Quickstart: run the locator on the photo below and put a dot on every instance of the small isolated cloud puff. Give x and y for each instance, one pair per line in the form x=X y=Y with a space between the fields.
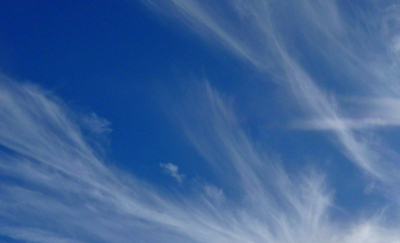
x=172 y=170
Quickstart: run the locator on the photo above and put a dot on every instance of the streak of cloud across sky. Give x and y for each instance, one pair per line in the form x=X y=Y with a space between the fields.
x=200 y=121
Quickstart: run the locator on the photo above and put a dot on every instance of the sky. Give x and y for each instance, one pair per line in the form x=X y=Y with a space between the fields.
x=200 y=121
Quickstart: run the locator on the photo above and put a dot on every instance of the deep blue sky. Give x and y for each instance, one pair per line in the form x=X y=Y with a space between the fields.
x=185 y=120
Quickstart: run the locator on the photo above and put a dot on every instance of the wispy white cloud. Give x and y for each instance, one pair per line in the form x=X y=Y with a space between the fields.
x=56 y=189
x=356 y=43
x=96 y=124
x=172 y=170
x=364 y=114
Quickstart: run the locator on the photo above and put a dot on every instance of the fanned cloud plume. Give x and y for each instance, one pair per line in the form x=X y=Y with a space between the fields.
x=56 y=187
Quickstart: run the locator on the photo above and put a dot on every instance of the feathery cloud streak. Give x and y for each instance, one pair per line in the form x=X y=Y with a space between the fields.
x=55 y=188
x=356 y=43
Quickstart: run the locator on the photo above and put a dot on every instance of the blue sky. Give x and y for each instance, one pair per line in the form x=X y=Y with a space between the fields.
x=199 y=121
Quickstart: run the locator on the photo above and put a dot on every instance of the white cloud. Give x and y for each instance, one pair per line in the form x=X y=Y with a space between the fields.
x=56 y=188
x=365 y=114
x=96 y=124
x=172 y=170
x=356 y=43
